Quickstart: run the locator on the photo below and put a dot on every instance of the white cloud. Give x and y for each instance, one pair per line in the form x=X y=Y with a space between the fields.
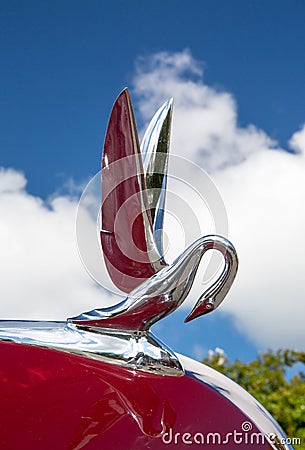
x=41 y=273
x=11 y=181
x=265 y=204
x=262 y=186
x=297 y=141
x=205 y=120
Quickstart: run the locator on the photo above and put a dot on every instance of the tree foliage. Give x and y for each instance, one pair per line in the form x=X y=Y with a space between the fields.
x=266 y=379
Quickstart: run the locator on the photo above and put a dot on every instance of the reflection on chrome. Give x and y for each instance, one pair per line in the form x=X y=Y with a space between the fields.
x=155 y=151
x=140 y=351
x=166 y=291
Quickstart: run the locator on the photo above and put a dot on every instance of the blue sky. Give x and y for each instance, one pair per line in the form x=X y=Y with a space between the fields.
x=62 y=65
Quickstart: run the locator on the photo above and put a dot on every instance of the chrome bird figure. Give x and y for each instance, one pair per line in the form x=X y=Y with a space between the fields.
x=133 y=200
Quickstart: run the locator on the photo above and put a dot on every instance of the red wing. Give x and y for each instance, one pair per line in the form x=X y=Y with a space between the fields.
x=128 y=245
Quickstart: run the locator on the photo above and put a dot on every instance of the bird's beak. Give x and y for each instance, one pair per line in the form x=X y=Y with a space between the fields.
x=203 y=306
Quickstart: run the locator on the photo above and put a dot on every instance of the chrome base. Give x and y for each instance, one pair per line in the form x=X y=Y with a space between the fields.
x=134 y=350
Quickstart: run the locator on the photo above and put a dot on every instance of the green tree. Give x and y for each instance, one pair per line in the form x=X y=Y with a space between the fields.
x=265 y=378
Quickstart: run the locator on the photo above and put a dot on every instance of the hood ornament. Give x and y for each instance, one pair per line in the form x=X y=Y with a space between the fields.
x=134 y=181
x=132 y=212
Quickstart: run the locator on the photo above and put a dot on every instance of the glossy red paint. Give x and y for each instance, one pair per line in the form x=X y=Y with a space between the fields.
x=125 y=206
x=52 y=400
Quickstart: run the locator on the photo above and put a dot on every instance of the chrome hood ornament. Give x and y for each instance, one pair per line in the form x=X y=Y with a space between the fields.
x=133 y=201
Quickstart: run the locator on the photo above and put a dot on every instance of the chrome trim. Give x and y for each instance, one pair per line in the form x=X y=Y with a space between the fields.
x=138 y=351
x=234 y=393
